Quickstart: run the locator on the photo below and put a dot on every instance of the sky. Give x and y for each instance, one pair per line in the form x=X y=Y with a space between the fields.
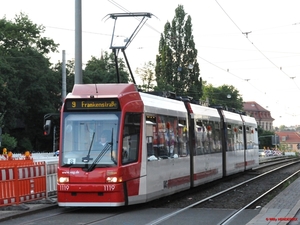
x=250 y=44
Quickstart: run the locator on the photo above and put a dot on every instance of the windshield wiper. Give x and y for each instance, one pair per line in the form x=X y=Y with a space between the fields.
x=87 y=158
x=99 y=157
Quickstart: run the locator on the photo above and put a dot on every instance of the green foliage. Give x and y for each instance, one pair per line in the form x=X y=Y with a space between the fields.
x=226 y=96
x=147 y=76
x=28 y=84
x=25 y=144
x=265 y=138
x=31 y=85
x=70 y=74
x=282 y=128
x=103 y=70
x=177 y=68
x=100 y=70
x=8 y=142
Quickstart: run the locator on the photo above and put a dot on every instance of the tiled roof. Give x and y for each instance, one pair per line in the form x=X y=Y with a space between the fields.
x=291 y=136
x=257 y=111
x=253 y=106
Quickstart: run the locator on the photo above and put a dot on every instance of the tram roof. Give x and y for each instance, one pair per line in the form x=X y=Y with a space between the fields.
x=249 y=121
x=162 y=105
x=95 y=90
x=232 y=117
x=203 y=112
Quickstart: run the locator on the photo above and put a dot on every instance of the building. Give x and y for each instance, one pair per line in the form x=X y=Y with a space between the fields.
x=289 y=140
x=262 y=116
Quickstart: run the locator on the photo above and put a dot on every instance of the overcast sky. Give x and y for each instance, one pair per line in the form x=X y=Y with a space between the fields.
x=250 y=44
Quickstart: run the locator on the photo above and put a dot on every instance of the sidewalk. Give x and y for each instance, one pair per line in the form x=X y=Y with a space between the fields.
x=283 y=209
x=8 y=212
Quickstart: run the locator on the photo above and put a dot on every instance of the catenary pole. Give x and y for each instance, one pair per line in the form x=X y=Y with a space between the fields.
x=64 y=77
x=78 y=43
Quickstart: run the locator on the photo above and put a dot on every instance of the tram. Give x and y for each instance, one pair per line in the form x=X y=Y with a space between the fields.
x=155 y=146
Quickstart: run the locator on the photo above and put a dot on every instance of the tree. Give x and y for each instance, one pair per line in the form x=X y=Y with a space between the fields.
x=103 y=70
x=146 y=73
x=70 y=74
x=282 y=128
x=8 y=142
x=177 y=68
x=29 y=86
x=265 y=138
x=226 y=96
x=100 y=70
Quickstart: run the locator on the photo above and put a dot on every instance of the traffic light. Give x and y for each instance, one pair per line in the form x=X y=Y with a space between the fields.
x=47 y=127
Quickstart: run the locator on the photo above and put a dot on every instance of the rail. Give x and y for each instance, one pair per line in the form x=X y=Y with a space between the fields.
x=174 y=213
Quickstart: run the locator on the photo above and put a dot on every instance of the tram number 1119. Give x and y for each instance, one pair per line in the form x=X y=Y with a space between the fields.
x=109 y=187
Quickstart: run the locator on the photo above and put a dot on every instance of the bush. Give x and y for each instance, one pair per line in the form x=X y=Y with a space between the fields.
x=8 y=142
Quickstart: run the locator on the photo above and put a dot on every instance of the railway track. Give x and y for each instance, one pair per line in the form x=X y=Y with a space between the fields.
x=212 y=196
x=180 y=200
x=252 y=193
x=289 y=179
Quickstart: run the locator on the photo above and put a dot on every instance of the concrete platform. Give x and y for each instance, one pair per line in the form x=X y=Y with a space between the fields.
x=283 y=209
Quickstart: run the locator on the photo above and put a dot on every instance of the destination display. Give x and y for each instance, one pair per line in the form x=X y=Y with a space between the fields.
x=92 y=104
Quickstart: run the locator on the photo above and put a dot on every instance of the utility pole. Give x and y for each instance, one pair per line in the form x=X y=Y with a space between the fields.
x=64 y=77
x=54 y=141
x=78 y=43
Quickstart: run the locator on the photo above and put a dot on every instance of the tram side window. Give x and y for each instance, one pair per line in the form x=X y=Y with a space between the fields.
x=200 y=133
x=182 y=139
x=235 y=140
x=164 y=135
x=230 y=137
x=240 y=138
x=207 y=137
x=131 y=138
x=250 y=138
x=217 y=137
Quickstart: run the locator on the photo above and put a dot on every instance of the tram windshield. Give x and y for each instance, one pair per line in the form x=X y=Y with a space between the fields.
x=90 y=140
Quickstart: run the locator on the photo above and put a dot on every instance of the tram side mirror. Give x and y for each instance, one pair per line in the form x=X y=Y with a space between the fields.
x=47 y=127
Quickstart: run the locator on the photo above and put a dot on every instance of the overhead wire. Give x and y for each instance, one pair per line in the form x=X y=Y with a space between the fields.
x=251 y=41
x=226 y=70
x=246 y=34
x=247 y=80
x=211 y=63
x=126 y=10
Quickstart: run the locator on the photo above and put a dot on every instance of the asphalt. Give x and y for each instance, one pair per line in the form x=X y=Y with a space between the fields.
x=28 y=208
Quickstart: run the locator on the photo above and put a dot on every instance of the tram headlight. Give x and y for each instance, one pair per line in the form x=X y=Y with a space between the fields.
x=63 y=180
x=113 y=179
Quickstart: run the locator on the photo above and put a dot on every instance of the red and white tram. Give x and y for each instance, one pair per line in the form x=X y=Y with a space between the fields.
x=154 y=146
